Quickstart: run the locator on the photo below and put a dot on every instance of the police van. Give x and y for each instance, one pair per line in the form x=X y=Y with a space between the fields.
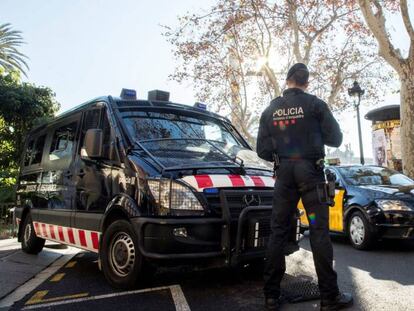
x=144 y=183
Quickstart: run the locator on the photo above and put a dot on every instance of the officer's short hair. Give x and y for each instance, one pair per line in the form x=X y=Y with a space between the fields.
x=298 y=73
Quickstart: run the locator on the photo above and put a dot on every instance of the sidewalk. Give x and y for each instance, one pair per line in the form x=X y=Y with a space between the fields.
x=17 y=267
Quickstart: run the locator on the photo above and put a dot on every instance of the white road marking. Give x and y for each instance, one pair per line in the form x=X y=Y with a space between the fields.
x=180 y=302
x=42 y=276
x=176 y=293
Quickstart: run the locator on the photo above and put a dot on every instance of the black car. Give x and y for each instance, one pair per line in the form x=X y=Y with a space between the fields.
x=371 y=203
x=143 y=183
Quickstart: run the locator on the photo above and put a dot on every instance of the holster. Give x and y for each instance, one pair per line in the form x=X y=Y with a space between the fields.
x=325 y=190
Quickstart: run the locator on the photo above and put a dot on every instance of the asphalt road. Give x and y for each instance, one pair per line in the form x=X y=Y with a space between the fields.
x=382 y=279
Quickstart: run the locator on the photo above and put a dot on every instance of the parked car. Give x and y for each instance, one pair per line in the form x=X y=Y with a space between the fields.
x=144 y=183
x=371 y=203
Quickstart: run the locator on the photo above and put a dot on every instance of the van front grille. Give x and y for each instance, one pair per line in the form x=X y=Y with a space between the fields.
x=238 y=200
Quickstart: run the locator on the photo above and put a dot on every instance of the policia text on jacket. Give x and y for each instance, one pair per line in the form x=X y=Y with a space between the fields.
x=142 y=183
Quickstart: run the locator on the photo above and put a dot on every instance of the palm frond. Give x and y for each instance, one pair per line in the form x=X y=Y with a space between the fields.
x=10 y=57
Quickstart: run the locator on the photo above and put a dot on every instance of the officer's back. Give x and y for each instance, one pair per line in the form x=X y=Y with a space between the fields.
x=295 y=128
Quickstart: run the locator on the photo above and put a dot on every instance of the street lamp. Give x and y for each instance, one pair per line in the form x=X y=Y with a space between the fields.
x=354 y=92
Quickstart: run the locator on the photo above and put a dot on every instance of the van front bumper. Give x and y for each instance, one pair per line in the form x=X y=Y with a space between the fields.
x=164 y=238
x=158 y=240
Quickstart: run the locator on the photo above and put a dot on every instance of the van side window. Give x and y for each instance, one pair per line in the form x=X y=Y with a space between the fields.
x=90 y=121
x=34 y=151
x=28 y=153
x=97 y=119
x=106 y=131
x=38 y=150
x=62 y=142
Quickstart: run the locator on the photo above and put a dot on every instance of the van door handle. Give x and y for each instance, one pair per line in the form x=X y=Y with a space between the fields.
x=68 y=174
x=81 y=173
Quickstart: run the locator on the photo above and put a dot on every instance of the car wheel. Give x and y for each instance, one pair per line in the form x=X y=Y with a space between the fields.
x=121 y=261
x=31 y=244
x=360 y=232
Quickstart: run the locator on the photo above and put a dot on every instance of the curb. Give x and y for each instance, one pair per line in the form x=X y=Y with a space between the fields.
x=21 y=291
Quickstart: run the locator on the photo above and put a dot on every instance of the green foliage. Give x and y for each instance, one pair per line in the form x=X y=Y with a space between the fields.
x=22 y=107
x=6 y=231
x=10 y=58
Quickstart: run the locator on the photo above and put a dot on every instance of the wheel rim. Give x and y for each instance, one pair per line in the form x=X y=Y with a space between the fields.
x=122 y=254
x=357 y=230
x=27 y=232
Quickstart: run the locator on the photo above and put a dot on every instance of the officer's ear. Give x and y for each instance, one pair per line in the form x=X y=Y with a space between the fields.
x=290 y=83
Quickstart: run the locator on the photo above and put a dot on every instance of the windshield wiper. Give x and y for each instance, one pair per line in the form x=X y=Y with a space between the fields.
x=240 y=163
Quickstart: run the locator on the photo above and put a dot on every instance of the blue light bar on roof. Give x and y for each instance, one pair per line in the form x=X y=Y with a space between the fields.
x=129 y=94
x=200 y=106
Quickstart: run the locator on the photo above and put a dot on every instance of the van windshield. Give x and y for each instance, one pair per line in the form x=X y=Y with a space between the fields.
x=177 y=139
x=146 y=125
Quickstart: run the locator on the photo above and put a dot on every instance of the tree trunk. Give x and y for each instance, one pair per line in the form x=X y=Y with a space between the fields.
x=407 y=122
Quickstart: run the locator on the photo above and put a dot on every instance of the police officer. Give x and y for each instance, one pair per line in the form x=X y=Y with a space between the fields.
x=295 y=128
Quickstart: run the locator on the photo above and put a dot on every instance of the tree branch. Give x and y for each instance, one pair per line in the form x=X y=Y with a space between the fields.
x=376 y=22
x=294 y=22
x=406 y=19
x=408 y=26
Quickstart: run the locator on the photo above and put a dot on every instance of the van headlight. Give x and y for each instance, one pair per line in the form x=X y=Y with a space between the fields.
x=393 y=205
x=174 y=199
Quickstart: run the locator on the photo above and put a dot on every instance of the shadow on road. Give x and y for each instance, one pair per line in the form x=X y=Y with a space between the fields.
x=388 y=260
x=56 y=246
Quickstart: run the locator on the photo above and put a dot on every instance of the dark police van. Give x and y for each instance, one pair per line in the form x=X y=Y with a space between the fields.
x=144 y=182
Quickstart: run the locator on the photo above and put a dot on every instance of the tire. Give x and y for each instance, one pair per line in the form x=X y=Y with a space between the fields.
x=31 y=244
x=122 y=264
x=360 y=232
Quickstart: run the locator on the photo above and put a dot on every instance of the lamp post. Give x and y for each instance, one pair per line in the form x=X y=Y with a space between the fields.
x=356 y=91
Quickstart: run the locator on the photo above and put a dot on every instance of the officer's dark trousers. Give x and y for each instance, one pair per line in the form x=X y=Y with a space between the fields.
x=290 y=176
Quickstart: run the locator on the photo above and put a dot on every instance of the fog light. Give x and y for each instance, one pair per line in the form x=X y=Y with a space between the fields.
x=256 y=234
x=180 y=232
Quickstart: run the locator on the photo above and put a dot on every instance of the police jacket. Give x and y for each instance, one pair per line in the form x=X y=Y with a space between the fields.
x=297 y=126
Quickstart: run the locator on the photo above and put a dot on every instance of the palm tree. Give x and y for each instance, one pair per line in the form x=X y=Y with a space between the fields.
x=10 y=58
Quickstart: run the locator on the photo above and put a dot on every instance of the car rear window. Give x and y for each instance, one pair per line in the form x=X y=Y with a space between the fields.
x=374 y=175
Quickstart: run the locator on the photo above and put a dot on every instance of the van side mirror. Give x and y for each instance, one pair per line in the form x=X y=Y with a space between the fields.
x=93 y=143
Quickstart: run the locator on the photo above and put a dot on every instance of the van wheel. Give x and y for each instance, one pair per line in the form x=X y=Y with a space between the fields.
x=31 y=244
x=121 y=260
x=360 y=232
